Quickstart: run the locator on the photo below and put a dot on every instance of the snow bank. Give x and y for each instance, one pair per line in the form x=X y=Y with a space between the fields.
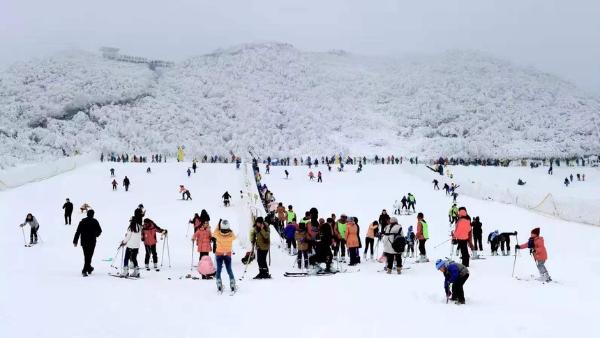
x=14 y=177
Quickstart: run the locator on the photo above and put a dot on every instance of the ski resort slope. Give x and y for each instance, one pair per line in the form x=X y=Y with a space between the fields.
x=44 y=295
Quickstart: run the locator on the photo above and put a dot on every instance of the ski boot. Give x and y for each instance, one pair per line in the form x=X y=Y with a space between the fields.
x=135 y=273
x=399 y=270
x=503 y=253
x=147 y=267
x=371 y=257
x=388 y=271
x=306 y=264
x=219 y=286
x=299 y=262
x=156 y=267
x=232 y=285
x=125 y=271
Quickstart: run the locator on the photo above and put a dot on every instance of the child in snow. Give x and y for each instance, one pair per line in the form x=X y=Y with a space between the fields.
x=410 y=242
x=132 y=241
x=538 y=250
x=206 y=267
x=290 y=233
x=455 y=274
x=225 y=238
x=404 y=205
x=149 y=231
x=202 y=237
x=396 y=207
x=34 y=226
x=302 y=241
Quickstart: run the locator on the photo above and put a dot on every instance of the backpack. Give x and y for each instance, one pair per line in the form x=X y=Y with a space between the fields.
x=399 y=241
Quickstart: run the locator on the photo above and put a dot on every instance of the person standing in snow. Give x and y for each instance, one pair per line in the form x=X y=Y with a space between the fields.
x=68 y=207
x=435 y=185
x=404 y=205
x=282 y=216
x=390 y=233
x=384 y=219
x=126 y=183
x=194 y=166
x=226 y=198
x=410 y=242
x=370 y=238
x=290 y=236
x=202 y=237
x=114 y=184
x=132 y=241
x=112 y=172
x=262 y=243
x=396 y=207
x=311 y=175
x=477 y=237
x=538 y=250
x=411 y=202
x=149 y=231
x=302 y=243
x=89 y=230
x=422 y=236
x=340 y=247
x=319 y=177
x=353 y=240
x=189 y=172
x=462 y=234
x=453 y=214
x=287 y=174
x=224 y=237
x=455 y=274
x=33 y=226
x=493 y=240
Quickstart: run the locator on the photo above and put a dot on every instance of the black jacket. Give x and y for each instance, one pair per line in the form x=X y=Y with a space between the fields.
x=89 y=229
x=476 y=228
x=68 y=206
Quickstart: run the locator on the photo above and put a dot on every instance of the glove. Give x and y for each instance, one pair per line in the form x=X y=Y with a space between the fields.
x=516 y=233
x=517 y=247
x=165 y=232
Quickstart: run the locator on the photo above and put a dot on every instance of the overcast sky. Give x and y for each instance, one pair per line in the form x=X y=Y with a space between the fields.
x=556 y=36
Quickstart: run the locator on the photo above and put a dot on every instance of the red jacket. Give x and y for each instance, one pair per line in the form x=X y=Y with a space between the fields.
x=149 y=233
x=202 y=238
x=539 y=249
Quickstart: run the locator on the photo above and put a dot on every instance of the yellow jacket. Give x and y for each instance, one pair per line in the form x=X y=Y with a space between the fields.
x=224 y=242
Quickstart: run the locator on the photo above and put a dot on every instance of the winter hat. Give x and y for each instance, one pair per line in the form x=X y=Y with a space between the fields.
x=410 y=229
x=535 y=231
x=90 y=213
x=224 y=224
x=393 y=220
x=439 y=264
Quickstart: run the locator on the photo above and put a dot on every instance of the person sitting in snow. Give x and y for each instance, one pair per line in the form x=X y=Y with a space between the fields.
x=538 y=250
x=455 y=274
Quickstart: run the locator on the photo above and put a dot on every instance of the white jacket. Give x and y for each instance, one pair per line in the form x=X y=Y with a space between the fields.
x=388 y=237
x=133 y=239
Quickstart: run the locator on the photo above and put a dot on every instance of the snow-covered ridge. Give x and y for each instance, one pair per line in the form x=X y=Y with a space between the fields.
x=285 y=102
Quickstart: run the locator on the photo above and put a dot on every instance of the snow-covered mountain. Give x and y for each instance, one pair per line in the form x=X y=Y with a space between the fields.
x=282 y=101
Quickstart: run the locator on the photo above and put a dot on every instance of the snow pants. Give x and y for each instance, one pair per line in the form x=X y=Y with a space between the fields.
x=340 y=245
x=131 y=254
x=422 y=247
x=542 y=268
x=290 y=243
x=464 y=251
x=302 y=254
x=390 y=260
x=261 y=259
x=478 y=242
x=458 y=291
x=369 y=242
x=150 y=249
x=33 y=237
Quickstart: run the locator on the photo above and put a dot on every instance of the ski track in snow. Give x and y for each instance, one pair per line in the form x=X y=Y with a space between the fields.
x=43 y=285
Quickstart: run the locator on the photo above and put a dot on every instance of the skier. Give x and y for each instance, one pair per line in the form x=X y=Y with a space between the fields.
x=455 y=274
x=462 y=234
x=139 y=213
x=126 y=183
x=189 y=172
x=323 y=243
x=282 y=216
x=68 y=206
x=202 y=238
x=384 y=219
x=411 y=202
x=287 y=174
x=422 y=236
x=504 y=239
x=291 y=215
x=226 y=198
x=114 y=184
x=453 y=213
x=34 y=227
x=391 y=232
x=454 y=196
x=447 y=189
x=410 y=242
x=319 y=177
x=149 y=231
x=224 y=237
x=340 y=247
x=538 y=250
x=404 y=200
x=494 y=242
x=477 y=237
x=571 y=176
x=370 y=238
x=566 y=181
x=353 y=240
x=185 y=193
x=194 y=166
x=302 y=243
x=435 y=185
x=290 y=236
x=262 y=243
x=396 y=207
x=132 y=241
x=112 y=172
x=89 y=229
x=148 y=170
x=311 y=175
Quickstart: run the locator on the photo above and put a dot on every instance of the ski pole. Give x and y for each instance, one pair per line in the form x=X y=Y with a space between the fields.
x=192 y=265
x=112 y=263
x=515 y=261
x=440 y=244
x=187 y=232
x=168 y=251
x=162 y=255
x=24 y=240
x=247 y=263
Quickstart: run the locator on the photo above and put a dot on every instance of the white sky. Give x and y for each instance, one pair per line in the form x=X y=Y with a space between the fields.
x=556 y=36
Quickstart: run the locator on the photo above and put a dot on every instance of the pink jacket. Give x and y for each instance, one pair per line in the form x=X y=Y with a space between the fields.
x=206 y=267
x=540 y=253
x=202 y=238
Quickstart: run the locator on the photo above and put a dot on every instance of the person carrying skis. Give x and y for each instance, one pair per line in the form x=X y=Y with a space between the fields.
x=391 y=233
x=149 y=231
x=68 y=207
x=114 y=184
x=537 y=249
x=226 y=198
x=302 y=242
x=411 y=202
x=370 y=239
x=353 y=240
x=262 y=243
x=404 y=201
x=132 y=241
x=422 y=236
x=462 y=234
x=410 y=242
x=88 y=229
x=185 y=193
x=126 y=183
x=225 y=238
x=477 y=237
x=290 y=236
x=33 y=228
x=453 y=214
x=455 y=274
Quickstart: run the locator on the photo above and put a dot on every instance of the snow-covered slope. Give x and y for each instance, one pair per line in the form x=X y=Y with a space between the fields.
x=287 y=102
x=44 y=281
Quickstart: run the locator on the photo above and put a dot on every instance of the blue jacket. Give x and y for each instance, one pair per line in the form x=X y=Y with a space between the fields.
x=453 y=272
x=290 y=231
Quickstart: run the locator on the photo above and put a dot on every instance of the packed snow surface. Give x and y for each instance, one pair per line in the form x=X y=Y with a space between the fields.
x=287 y=102
x=44 y=295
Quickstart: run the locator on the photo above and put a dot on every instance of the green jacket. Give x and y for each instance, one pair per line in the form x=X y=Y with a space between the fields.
x=453 y=211
x=291 y=215
x=262 y=238
x=342 y=229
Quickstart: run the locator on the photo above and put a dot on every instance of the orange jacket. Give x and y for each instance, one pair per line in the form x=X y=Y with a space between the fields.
x=224 y=242
x=462 y=231
x=352 y=235
x=539 y=249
